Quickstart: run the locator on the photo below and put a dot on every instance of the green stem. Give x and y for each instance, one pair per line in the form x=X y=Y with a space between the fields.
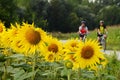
x=68 y=76
x=33 y=67
x=6 y=64
x=54 y=67
x=5 y=73
x=79 y=73
x=99 y=75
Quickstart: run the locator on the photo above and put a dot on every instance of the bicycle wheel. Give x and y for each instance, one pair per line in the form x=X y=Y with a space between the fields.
x=104 y=44
x=84 y=38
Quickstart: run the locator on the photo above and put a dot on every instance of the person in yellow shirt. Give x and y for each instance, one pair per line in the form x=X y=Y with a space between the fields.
x=101 y=30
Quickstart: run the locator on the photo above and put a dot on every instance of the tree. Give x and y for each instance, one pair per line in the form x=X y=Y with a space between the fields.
x=111 y=15
x=8 y=11
x=95 y=7
x=58 y=13
x=108 y=2
x=74 y=22
x=85 y=13
x=74 y=2
x=37 y=12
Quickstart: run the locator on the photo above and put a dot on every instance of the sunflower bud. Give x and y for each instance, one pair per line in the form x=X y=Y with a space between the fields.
x=69 y=64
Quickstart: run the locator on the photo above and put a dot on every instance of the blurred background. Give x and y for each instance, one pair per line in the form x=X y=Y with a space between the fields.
x=60 y=15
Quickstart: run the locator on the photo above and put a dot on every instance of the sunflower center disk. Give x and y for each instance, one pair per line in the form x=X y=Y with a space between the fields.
x=1 y=29
x=87 y=52
x=53 y=48
x=33 y=37
x=74 y=44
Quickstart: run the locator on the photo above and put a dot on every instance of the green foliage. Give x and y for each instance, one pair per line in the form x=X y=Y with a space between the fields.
x=85 y=13
x=23 y=4
x=60 y=15
x=14 y=69
x=73 y=21
x=2 y=57
x=37 y=12
x=113 y=17
x=8 y=11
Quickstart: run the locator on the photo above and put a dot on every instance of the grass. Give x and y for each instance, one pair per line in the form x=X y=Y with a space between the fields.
x=112 y=39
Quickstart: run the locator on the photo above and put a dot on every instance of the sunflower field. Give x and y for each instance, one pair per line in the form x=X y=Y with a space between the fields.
x=29 y=53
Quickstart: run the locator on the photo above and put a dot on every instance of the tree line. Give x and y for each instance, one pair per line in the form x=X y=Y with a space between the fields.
x=60 y=15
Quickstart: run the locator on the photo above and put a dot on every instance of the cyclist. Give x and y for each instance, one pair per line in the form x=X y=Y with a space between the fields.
x=83 y=30
x=101 y=30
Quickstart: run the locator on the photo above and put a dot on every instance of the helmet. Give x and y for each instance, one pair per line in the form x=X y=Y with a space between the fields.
x=83 y=22
x=101 y=21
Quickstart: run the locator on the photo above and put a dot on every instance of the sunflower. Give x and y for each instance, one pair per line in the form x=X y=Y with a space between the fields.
x=2 y=27
x=50 y=57
x=72 y=45
x=103 y=62
x=101 y=66
x=89 y=54
x=9 y=35
x=29 y=39
x=53 y=48
x=2 y=31
x=70 y=49
x=75 y=64
x=70 y=57
x=68 y=64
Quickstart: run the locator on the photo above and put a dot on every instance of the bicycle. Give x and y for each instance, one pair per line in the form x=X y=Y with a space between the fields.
x=83 y=37
x=103 y=42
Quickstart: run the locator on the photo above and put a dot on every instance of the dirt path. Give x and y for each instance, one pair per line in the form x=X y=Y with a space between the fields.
x=113 y=52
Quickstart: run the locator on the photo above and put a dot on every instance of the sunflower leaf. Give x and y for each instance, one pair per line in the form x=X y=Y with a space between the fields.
x=71 y=53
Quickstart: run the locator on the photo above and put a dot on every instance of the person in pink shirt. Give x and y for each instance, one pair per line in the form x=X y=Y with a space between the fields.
x=83 y=30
